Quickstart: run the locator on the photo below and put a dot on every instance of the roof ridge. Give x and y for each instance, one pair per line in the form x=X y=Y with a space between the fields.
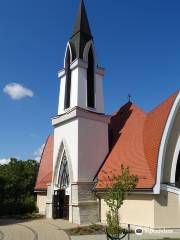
x=164 y=101
x=154 y=125
x=125 y=105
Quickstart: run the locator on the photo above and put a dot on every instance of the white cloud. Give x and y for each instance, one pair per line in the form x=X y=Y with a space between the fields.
x=37 y=154
x=17 y=91
x=4 y=161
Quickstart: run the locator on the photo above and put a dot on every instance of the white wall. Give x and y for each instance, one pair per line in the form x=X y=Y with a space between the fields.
x=68 y=134
x=92 y=147
x=62 y=76
x=99 y=97
x=79 y=86
x=84 y=136
x=86 y=145
x=78 y=95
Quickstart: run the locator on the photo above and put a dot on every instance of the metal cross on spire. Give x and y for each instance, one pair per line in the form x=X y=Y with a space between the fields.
x=129 y=97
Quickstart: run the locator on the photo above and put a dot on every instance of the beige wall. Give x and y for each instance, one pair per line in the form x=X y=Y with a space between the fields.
x=167 y=210
x=41 y=202
x=134 y=210
x=152 y=211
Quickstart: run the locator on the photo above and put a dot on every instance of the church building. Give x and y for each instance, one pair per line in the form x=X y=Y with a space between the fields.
x=88 y=146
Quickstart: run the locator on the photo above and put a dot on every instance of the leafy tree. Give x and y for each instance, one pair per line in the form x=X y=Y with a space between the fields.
x=17 y=180
x=117 y=191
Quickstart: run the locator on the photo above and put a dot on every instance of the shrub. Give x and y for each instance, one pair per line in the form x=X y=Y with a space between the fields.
x=27 y=205
x=118 y=188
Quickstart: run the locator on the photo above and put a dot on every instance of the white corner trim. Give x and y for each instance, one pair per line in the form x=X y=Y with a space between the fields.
x=163 y=144
x=79 y=63
x=67 y=46
x=76 y=113
x=171 y=189
x=61 y=73
x=174 y=162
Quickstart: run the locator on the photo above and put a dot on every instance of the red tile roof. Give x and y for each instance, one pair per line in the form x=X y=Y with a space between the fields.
x=45 y=169
x=135 y=140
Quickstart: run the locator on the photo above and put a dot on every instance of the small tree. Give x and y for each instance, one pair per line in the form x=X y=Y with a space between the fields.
x=117 y=190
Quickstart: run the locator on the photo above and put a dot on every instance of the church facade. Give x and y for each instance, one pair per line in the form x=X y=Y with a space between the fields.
x=88 y=146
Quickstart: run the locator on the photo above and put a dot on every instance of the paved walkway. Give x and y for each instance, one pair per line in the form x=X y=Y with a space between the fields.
x=55 y=230
x=132 y=237
x=34 y=230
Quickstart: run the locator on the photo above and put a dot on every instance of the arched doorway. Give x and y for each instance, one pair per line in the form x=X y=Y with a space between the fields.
x=177 y=178
x=60 y=199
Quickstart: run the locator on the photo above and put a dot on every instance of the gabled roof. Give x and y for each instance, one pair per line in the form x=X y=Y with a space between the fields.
x=46 y=164
x=135 y=138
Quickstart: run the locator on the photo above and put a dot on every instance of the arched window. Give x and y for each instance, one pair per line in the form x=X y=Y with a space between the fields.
x=90 y=80
x=68 y=79
x=177 y=179
x=63 y=179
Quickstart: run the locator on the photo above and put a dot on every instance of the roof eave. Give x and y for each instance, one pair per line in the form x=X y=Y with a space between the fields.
x=40 y=190
x=137 y=190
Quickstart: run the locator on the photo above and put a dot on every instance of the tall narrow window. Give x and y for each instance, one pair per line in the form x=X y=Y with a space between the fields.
x=90 y=80
x=68 y=80
x=63 y=179
x=177 y=180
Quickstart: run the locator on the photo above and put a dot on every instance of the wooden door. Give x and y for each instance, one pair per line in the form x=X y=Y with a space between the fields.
x=60 y=205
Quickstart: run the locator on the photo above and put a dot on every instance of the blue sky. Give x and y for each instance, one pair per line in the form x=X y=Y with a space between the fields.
x=138 y=42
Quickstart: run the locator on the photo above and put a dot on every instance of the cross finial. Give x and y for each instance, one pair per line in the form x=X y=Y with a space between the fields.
x=129 y=97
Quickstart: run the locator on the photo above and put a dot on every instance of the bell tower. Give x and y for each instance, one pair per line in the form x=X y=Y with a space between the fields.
x=81 y=127
x=81 y=78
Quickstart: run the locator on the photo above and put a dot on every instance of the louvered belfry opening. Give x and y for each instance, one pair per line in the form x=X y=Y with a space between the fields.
x=68 y=80
x=90 y=80
x=80 y=37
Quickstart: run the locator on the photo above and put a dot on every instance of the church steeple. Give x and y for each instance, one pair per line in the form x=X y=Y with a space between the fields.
x=81 y=78
x=81 y=32
x=82 y=24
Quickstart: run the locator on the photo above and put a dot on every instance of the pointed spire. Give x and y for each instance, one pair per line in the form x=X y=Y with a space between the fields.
x=82 y=24
x=81 y=33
